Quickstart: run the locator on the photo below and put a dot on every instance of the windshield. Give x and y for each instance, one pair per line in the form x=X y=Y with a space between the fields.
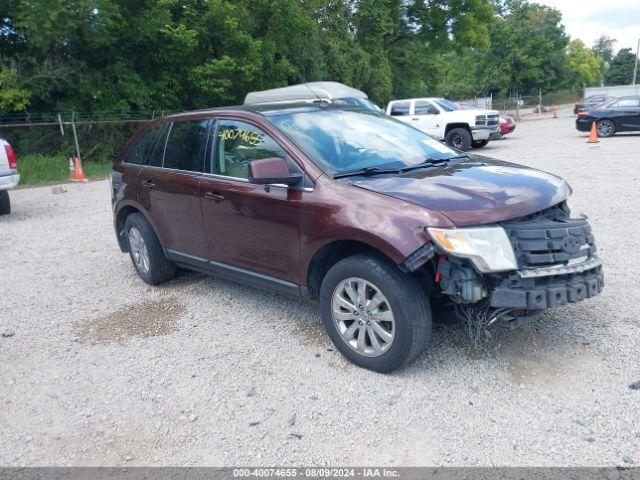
x=358 y=102
x=341 y=141
x=447 y=105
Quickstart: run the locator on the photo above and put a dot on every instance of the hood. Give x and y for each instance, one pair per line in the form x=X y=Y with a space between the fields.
x=473 y=192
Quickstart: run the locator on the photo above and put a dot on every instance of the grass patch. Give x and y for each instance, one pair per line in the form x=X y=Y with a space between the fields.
x=39 y=169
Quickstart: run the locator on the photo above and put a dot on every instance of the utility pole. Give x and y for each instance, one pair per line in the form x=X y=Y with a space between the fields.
x=539 y=102
x=635 y=66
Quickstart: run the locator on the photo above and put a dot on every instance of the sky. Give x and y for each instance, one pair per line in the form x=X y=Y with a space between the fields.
x=588 y=19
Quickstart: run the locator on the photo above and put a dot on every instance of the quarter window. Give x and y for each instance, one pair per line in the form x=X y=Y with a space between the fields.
x=150 y=145
x=186 y=145
x=154 y=150
x=238 y=144
x=399 y=109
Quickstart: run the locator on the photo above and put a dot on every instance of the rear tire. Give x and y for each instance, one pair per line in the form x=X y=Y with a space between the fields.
x=479 y=143
x=459 y=138
x=388 y=294
x=605 y=128
x=146 y=252
x=5 y=203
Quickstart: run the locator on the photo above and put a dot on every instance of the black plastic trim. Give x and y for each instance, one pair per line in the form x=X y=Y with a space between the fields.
x=237 y=274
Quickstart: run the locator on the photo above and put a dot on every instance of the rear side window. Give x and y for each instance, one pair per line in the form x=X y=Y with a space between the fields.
x=187 y=145
x=149 y=147
x=399 y=109
x=422 y=107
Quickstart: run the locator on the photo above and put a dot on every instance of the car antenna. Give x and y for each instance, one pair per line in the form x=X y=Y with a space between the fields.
x=320 y=100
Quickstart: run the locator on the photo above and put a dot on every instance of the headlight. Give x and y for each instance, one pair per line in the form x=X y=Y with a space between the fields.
x=488 y=248
x=481 y=120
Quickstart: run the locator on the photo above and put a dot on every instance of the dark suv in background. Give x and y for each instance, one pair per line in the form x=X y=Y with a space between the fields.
x=380 y=223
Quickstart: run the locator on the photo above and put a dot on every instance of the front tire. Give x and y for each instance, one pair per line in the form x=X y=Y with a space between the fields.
x=5 y=203
x=459 y=138
x=376 y=316
x=146 y=252
x=479 y=143
x=605 y=128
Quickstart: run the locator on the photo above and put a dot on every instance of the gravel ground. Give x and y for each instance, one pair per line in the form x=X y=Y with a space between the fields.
x=98 y=368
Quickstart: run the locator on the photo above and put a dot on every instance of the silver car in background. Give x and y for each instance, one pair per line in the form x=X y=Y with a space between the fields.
x=9 y=176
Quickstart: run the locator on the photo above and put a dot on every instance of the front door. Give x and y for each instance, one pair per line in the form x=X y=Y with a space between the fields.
x=169 y=188
x=426 y=117
x=628 y=113
x=252 y=228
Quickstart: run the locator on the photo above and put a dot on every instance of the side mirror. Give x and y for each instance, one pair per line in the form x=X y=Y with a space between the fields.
x=272 y=170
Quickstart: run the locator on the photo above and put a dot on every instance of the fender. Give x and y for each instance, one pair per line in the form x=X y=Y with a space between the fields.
x=395 y=228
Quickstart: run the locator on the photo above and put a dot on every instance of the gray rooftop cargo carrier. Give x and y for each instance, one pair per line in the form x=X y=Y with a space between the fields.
x=331 y=92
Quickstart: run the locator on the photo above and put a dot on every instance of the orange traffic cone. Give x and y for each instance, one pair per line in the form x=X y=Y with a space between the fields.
x=79 y=173
x=593 y=135
x=72 y=170
x=554 y=110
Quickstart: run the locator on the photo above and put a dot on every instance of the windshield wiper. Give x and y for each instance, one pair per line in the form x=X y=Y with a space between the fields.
x=432 y=162
x=367 y=171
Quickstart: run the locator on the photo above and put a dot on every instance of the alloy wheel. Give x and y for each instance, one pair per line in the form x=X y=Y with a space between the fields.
x=139 y=250
x=363 y=317
x=456 y=140
x=605 y=128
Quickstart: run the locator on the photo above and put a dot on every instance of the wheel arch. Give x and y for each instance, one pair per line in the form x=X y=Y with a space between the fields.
x=121 y=218
x=451 y=126
x=331 y=253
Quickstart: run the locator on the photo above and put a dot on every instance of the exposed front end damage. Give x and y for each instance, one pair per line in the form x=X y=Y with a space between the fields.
x=556 y=264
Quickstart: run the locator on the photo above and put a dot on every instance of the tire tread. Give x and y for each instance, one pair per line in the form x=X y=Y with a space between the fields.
x=161 y=269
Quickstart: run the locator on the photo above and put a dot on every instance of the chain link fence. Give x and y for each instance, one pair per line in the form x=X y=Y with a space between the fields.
x=44 y=142
x=97 y=139
x=518 y=105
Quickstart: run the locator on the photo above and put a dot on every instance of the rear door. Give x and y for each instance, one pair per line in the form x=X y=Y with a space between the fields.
x=169 y=186
x=400 y=110
x=627 y=114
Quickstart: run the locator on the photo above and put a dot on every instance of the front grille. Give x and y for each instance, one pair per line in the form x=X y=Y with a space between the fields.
x=545 y=240
x=492 y=119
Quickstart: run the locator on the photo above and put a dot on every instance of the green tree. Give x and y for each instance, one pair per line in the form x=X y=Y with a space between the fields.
x=527 y=50
x=620 y=71
x=603 y=47
x=584 y=65
x=12 y=96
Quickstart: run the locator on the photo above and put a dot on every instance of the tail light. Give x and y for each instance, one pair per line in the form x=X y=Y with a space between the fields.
x=11 y=157
x=583 y=115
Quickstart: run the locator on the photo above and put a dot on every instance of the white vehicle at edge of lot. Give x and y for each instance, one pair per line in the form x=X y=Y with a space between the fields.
x=9 y=176
x=446 y=120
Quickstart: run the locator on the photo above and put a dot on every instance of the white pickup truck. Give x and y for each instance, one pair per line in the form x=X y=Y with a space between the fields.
x=9 y=176
x=446 y=120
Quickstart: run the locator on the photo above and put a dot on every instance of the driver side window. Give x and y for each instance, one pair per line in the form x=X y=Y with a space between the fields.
x=423 y=107
x=238 y=144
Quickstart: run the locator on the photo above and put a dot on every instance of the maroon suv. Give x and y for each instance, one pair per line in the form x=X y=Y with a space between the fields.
x=374 y=219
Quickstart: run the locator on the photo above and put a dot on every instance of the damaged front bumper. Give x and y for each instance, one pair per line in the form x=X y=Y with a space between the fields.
x=556 y=264
x=549 y=287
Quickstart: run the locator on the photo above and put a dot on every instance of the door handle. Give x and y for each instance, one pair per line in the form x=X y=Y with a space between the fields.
x=216 y=196
x=415 y=118
x=148 y=184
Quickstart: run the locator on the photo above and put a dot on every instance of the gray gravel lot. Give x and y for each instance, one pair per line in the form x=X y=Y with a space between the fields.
x=102 y=369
